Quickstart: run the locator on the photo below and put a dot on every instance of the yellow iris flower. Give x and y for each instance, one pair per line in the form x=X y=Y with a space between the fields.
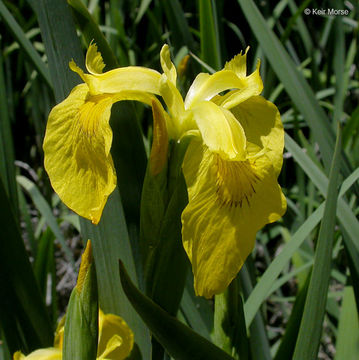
x=115 y=341
x=231 y=165
x=78 y=136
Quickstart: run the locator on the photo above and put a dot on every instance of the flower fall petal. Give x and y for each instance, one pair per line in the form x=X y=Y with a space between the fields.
x=77 y=152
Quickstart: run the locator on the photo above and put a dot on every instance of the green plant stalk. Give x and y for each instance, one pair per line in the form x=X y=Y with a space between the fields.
x=314 y=309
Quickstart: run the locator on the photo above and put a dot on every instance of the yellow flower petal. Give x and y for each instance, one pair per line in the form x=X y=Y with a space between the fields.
x=253 y=87
x=158 y=156
x=41 y=354
x=229 y=201
x=261 y=122
x=173 y=100
x=115 y=338
x=167 y=66
x=238 y=64
x=59 y=333
x=77 y=147
x=220 y=130
x=18 y=356
x=94 y=61
x=131 y=78
x=77 y=152
x=118 y=347
x=205 y=86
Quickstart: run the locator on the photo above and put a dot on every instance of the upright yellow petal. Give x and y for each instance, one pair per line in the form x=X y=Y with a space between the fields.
x=205 y=86
x=159 y=155
x=94 y=61
x=238 y=64
x=173 y=100
x=253 y=87
x=229 y=201
x=167 y=66
x=115 y=337
x=77 y=152
x=220 y=130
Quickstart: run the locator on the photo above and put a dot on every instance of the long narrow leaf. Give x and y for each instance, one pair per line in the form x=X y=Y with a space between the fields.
x=209 y=35
x=347 y=344
x=181 y=342
x=312 y=321
x=25 y=43
x=61 y=44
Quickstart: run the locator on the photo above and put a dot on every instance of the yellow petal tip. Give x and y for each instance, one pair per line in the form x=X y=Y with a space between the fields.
x=86 y=261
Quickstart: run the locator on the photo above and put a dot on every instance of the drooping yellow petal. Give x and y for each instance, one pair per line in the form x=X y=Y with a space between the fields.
x=229 y=201
x=205 y=86
x=94 y=61
x=115 y=337
x=77 y=147
x=261 y=122
x=77 y=152
x=220 y=130
x=41 y=354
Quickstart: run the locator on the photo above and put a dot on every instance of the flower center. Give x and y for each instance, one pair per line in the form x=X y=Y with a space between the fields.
x=236 y=181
